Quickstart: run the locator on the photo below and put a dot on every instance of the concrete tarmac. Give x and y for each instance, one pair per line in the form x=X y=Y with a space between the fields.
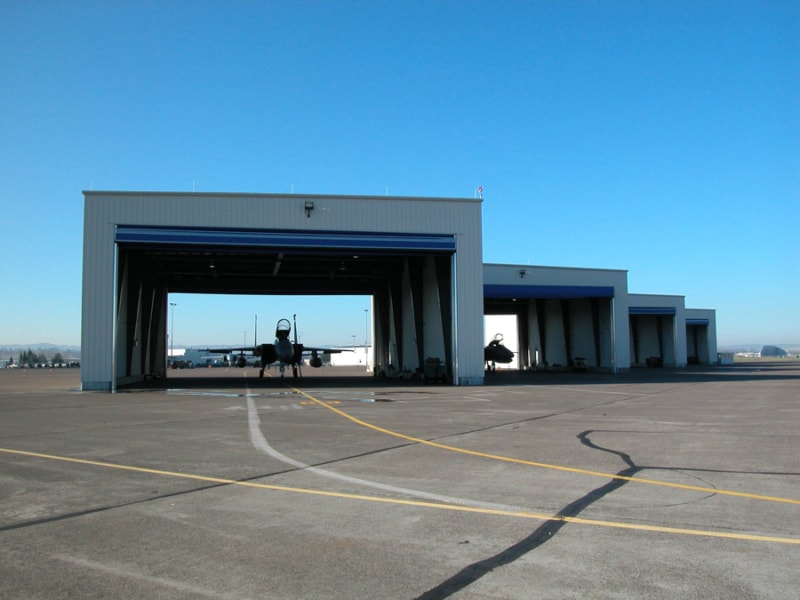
x=212 y=483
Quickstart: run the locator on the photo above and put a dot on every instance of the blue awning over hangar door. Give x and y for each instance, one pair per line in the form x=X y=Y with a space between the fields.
x=698 y=322
x=319 y=240
x=564 y=292
x=652 y=310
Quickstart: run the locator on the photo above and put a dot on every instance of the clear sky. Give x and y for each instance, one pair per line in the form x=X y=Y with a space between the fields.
x=662 y=138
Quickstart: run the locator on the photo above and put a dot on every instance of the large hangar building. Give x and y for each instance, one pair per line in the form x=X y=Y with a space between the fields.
x=419 y=259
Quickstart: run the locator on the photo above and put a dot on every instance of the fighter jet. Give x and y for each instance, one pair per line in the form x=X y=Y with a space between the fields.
x=282 y=351
x=496 y=352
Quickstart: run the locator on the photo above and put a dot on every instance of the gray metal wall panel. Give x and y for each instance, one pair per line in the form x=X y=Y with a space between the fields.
x=97 y=326
x=423 y=215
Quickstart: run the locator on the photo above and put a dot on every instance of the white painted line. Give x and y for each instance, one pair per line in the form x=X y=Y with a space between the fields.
x=260 y=443
x=141 y=577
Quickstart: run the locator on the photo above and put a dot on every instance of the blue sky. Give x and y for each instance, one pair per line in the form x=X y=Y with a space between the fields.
x=658 y=137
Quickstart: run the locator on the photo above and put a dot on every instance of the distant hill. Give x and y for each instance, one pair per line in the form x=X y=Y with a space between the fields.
x=790 y=348
x=42 y=348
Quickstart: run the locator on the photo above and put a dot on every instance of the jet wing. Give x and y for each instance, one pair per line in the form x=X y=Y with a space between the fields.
x=230 y=350
x=267 y=348
x=326 y=350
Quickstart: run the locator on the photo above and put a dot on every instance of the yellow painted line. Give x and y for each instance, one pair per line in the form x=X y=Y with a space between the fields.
x=530 y=463
x=418 y=503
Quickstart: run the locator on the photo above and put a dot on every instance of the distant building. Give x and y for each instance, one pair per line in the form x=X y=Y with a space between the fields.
x=773 y=352
x=725 y=358
x=353 y=356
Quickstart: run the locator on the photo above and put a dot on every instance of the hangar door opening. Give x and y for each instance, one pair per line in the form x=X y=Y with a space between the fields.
x=502 y=329
x=409 y=278
x=199 y=322
x=652 y=336
x=697 y=352
x=557 y=327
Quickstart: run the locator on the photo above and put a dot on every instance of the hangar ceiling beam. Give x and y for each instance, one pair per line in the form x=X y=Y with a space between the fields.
x=596 y=331
x=415 y=267
x=524 y=336
x=444 y=279
x=541 y=318
x=567 y=324
x=396 y=298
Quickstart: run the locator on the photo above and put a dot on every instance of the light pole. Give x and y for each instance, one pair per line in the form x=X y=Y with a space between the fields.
x=366 y=338
x=172 y=306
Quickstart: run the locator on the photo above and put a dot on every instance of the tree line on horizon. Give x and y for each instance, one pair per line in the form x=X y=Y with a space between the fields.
x=29 y=358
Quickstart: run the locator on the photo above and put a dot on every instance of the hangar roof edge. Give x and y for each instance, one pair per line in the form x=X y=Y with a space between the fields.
x=88 y=193
x=642 y=296
x=551 y=267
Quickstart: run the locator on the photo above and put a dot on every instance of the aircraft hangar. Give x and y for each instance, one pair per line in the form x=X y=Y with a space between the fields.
x=565 y=316
x=419 y=259
x=580 y=318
